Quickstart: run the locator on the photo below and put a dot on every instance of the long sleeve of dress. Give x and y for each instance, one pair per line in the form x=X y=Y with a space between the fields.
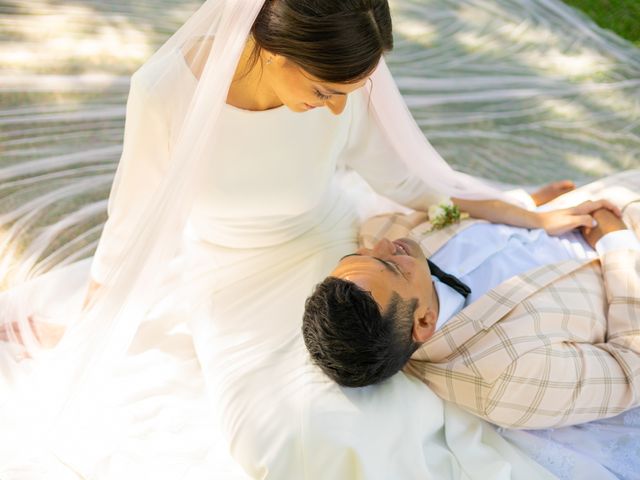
x=369 y=154
x=144 y=158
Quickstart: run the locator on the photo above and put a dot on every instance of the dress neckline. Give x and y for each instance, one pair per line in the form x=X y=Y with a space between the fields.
x=226 y=105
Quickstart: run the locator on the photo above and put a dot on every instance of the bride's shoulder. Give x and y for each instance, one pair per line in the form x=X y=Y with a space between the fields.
x=167 y=74
x=195 y=54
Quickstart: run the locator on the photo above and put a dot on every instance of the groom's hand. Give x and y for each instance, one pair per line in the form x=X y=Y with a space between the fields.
x=607 y=222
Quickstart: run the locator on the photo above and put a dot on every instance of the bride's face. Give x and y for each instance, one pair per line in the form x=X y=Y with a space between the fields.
x=300 y=91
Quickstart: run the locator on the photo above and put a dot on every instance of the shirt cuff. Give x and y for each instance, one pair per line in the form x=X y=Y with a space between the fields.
x=618 y=240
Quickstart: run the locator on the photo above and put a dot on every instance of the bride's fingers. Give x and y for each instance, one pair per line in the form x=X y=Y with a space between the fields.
x=46 y=334
x=4 y=334
x=591 y=206
x=583 y=208
x=585 y=221
x=578 y=220
x=11 y=332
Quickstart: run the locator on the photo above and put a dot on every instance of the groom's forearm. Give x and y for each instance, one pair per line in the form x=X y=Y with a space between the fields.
x=621 y=275
x=497 y=211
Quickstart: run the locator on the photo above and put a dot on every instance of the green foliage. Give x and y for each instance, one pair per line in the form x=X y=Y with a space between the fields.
x=620 y=16
x=451 y=215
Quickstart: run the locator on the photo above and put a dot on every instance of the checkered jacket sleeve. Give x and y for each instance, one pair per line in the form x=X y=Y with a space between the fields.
x=564 y=383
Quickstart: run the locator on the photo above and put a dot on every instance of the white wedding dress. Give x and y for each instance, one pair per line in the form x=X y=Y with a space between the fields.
x=268 y=223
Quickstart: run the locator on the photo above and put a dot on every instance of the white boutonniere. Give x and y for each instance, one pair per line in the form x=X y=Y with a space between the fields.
x=445 y=213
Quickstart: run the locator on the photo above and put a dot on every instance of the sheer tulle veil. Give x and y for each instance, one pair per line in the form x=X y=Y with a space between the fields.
x=69 y=374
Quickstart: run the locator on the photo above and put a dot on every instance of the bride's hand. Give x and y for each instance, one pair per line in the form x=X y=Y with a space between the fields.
x=46 y=334
x=557 y=222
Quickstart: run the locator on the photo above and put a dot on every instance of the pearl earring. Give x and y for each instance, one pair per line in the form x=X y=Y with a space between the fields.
x=269 y=60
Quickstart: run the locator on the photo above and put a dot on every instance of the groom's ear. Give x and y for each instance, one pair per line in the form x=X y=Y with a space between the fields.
x=424 y=324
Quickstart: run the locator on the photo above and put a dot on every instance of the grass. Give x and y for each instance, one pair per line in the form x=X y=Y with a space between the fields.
x=619 y=16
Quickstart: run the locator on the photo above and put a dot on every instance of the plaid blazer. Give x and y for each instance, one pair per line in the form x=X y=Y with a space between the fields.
x=557 y=345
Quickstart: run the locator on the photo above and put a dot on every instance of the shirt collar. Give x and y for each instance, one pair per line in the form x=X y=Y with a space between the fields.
x=451 y=302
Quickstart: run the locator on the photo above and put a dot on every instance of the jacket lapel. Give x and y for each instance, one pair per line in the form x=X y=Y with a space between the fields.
x=490 y=308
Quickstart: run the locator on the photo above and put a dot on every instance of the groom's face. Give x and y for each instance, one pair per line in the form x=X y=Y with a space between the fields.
x=399 y=266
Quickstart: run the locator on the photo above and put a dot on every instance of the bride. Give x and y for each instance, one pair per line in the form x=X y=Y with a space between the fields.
x=232 y=198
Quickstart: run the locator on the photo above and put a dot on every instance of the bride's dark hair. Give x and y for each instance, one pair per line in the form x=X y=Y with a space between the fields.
x=338 y=41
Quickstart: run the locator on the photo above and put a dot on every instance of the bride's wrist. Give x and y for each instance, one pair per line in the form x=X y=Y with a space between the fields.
x=534 y=220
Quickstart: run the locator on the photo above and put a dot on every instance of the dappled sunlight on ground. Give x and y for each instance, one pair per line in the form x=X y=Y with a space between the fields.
x=421 y=33
x=71 y=38
x=540 y=48
x=519 y=93
x=564 y=108
x=65 y=69
x=589 y=165
x=89 y=82
x=10 y=260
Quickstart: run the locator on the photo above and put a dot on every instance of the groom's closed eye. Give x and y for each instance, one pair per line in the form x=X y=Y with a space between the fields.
x=392 y=267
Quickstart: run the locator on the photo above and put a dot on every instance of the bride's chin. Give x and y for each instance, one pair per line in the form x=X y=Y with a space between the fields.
x=296 y=107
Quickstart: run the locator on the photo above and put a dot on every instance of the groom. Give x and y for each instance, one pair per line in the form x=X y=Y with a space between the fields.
x=535 y=331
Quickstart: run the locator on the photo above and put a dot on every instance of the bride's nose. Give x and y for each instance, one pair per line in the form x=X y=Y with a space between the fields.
x=337 y=104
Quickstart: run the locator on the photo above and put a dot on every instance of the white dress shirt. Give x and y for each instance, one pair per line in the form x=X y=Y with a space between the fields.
x=485 y=255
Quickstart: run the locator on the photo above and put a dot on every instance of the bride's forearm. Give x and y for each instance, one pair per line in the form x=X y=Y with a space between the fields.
x=497 y=211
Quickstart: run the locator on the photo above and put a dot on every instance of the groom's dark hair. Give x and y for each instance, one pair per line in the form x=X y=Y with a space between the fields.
x=351 y=339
